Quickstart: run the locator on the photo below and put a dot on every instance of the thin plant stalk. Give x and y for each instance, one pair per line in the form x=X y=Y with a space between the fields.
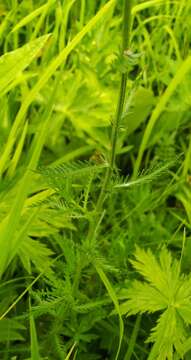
x=99 y=211
x=127 y=21
x=133 y=338
x=82 y=13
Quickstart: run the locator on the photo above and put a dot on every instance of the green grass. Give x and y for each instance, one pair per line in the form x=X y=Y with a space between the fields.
x=95 y=166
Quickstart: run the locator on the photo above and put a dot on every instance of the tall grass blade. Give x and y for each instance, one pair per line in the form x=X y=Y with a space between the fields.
x=114 y=299
x=27 y=19
x=35 y=354
x=175 y=82
x=70 y=352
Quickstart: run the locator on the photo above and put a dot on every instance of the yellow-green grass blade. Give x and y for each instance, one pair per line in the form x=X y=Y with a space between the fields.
x=18 y=152
x=42 y=17
x=147 y=4
x=33 y=15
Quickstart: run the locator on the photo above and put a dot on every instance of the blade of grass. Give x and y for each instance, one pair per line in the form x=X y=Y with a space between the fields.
x=82 y=13
x=21 y=235
x=42 y=18
x=175 y=82
x=28 y=288
x=12 y=221
x=147 y=4
x=114 y=299
x=35 y=353
x=187 y=161
x=63 y=31
x=18 y=152
x=133 y=339
x=70 y=352
x=27 y=19
x=11 y=307
x=13 y=62
x=174 y=41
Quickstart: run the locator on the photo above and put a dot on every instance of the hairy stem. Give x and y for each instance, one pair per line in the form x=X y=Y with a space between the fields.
x=121 y=100
x=115 y=127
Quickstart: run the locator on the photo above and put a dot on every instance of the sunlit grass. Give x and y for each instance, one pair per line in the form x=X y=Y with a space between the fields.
x=95 y=162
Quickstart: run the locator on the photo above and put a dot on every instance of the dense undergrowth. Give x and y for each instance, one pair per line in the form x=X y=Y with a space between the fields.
x=95 y=169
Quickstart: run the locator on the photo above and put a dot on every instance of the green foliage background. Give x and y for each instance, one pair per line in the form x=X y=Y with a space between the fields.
x=84 y=278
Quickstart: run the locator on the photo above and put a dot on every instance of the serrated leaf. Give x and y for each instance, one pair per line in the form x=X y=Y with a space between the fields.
x=56 y=176
x=10 y=330
x=165 y=290
x=143 y=298
x=32 y=251
x=159 y=274
x=168 y=335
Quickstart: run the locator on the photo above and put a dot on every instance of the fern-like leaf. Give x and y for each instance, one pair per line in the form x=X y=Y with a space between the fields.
x=55 y=175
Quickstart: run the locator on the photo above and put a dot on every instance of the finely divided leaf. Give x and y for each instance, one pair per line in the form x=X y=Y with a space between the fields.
x=10 y=330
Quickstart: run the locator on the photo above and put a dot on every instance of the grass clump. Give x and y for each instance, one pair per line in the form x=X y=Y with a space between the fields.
x=95 y=171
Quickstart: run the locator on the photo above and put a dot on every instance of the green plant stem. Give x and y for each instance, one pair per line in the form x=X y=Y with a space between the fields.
x=115 y=127
x=82 y=13
x=133 y=338
x=124 y=76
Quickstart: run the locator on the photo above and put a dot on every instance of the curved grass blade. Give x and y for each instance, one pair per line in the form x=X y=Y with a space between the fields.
x=147 y=4
x=114 y=299
x=27 y=19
